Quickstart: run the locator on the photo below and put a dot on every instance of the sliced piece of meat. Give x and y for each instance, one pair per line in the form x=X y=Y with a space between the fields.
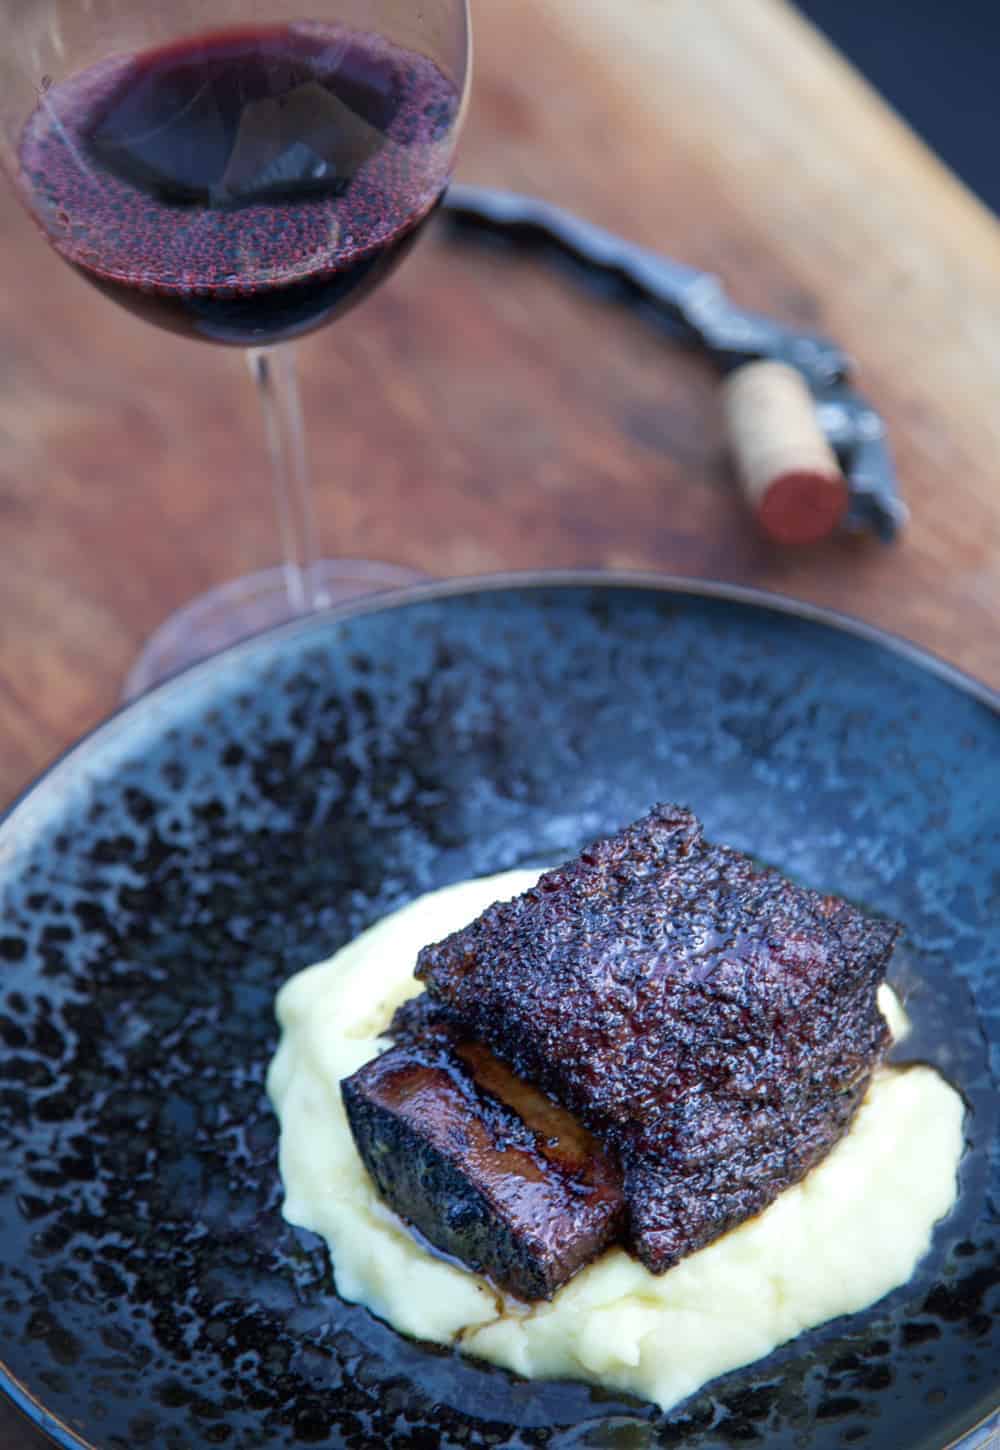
x=487 y=1168
x=687 y=1005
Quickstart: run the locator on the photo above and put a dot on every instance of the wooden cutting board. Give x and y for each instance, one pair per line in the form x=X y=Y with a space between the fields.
x=478 y=415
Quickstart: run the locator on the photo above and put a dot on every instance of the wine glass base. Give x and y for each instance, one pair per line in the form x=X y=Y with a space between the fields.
x=243 y=607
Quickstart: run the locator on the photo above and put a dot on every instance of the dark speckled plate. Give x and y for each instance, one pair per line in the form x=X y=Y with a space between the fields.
x=160 y=883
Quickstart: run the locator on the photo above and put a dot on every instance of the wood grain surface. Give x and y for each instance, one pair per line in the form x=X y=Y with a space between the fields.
x=477 y=415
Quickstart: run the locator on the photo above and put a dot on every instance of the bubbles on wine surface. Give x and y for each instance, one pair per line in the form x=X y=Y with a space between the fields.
x=227 y=166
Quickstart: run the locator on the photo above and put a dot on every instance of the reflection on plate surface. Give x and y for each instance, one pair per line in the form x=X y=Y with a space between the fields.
x=162 y=881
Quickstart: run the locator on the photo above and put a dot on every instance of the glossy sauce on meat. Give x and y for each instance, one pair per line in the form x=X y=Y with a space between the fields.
x=488 y=1169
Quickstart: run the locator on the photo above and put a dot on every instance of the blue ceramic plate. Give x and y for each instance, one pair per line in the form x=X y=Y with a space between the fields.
x=161 y=882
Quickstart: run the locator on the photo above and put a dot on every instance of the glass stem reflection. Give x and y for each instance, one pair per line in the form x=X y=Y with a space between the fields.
x=274 y=371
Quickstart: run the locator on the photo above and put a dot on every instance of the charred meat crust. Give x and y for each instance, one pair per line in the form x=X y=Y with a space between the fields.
x=707 y=1018
x=676 y=1207
x=486 y=1167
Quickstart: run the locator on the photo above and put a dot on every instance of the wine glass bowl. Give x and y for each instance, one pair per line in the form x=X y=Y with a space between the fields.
x=239 y=174
x=240 y=183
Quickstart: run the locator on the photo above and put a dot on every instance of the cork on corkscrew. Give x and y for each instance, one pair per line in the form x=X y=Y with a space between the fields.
x=785 y=382
x=789 y=473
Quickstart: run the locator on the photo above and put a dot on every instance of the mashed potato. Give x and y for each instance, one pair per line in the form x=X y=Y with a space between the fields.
x=851 y=1231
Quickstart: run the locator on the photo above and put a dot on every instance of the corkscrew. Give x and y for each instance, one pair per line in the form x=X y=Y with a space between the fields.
x=831 y=433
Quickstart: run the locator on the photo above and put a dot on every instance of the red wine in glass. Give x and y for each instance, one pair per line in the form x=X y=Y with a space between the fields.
x=242 y=182
x=244 y=186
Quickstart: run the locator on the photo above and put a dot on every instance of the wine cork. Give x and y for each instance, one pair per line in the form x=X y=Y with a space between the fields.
x=788 y=471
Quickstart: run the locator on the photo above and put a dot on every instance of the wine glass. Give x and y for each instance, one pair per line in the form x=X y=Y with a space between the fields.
x=240 y=173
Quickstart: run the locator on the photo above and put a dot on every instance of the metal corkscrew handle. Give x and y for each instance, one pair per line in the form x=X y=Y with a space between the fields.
x=693 y=308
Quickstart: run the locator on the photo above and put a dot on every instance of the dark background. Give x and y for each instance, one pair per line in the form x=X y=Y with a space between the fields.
x=938 y=63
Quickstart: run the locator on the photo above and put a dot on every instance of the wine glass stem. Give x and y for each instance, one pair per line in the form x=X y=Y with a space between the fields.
x=273 y=370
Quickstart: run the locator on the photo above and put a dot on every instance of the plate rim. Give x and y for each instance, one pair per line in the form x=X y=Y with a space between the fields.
x=978 y=1436
x=647 y=581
